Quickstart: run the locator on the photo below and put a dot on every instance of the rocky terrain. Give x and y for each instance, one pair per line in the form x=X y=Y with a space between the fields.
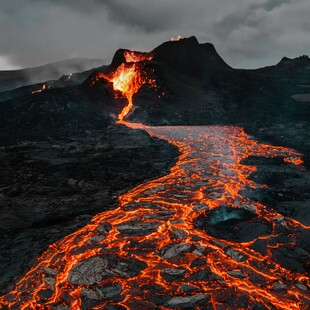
x=209 y=233
x=50 y=188
x=64 y=160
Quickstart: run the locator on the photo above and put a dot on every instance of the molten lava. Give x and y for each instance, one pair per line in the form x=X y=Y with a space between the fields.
x=145 y=252
x=128 y=78
x=132 y=56
x=153 y=228
x=39 y=90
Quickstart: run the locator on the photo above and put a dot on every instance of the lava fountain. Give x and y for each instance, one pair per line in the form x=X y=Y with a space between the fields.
x=128 y=78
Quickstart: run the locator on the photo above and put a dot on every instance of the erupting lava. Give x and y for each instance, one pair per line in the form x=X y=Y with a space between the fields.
x=128 y=78
x=148 y=254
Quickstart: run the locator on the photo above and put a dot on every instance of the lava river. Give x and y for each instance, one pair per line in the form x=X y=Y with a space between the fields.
x=148 y=253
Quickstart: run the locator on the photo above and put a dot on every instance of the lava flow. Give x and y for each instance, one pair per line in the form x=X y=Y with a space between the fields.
x=152 y=252
x=148 y=253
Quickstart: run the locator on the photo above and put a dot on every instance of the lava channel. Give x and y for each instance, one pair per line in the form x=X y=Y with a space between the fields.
x=148 y=254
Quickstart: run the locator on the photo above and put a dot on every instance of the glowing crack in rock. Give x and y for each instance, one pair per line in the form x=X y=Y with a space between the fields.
x=39 y=90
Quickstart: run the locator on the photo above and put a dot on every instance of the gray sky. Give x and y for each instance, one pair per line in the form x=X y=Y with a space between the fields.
x=246 y=33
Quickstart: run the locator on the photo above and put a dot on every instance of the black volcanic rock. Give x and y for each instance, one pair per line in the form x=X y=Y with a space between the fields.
x=119 y=57
x=233 y=224
x=53 y=115
x=294 y=62
x=188 y=57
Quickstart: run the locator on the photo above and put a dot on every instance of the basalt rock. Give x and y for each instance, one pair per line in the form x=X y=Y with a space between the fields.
x=137 y=229
x=170 y=274
x=94 y=269
x=188 y=302
x=90 y=271
x=174 y=250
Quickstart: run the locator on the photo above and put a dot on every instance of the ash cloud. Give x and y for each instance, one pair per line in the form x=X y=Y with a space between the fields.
x=247 y=33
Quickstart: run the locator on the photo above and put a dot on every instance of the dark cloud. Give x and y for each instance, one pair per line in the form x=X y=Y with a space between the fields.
x=125 y=13
x=245 y=32
x=272 y=4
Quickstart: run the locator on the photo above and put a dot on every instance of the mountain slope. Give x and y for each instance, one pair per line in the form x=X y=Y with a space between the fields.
x=194 y=86
x=17 y=78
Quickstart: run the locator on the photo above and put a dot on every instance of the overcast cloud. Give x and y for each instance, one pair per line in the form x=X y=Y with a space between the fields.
x=246 y=33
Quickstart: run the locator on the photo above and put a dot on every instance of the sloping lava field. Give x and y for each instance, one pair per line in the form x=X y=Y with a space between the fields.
x=191 y=239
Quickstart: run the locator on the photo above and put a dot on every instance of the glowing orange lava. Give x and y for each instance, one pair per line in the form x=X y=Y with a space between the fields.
x=132 y=56
x=39 y=90
x=154 y=225
x=176 y=38
x=128 y=78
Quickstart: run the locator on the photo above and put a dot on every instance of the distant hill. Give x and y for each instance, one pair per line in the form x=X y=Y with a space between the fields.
x=16 y=78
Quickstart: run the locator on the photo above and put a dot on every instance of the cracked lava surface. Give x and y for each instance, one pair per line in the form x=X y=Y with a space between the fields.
x=148 y=253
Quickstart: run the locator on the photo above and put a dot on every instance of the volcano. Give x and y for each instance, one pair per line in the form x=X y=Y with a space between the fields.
x=194 y=86
x=166 y=180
